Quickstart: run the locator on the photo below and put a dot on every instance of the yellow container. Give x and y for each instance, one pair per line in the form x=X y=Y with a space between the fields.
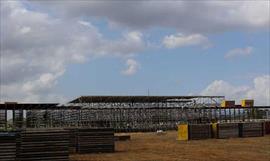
x=214 y=130
x=247 y=103
x=182 y=132
x=227 y=103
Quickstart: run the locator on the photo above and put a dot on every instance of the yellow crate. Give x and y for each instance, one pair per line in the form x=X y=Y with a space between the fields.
x=182 y=132
x=247 y=103
x=228 y=103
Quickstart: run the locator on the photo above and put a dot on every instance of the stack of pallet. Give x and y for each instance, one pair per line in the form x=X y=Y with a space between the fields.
x=199 y=131
x=7 y=146
x=222 y=130
x=122 y=137
x=251 y=129
x=44 y=145
x=225 y=130
x=3 y=119
x=72 y=139
x=92 y=140
x=267 y=127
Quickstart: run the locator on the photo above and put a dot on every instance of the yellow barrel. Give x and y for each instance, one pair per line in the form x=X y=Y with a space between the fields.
x=182 y=132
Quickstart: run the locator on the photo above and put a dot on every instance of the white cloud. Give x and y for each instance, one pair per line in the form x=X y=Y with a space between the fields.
x=36 y=49
x=181 y=40
x=125 y=47
x=260 y=91
x=85 y=23
x=239 y=52
x=132 y=67
x=184 y=16
x=25 y=30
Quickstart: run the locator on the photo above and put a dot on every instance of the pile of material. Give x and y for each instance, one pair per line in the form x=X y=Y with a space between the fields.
x=122 y=137
x=267 y=127
x=222 y=130
x=199 y=131
x=95 y=140
x=7 y=146
x=251 y=129
x=44 y=145
x=225 y=130
x=194 y=131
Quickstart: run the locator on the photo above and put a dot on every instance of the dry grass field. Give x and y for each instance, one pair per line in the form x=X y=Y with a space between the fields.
x=153 y=147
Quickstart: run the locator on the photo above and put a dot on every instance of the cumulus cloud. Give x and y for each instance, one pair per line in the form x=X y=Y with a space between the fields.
x=184 y=16
x=260 y=91
x=36 y=48
x=181 y=40
x=239 y=52
x=132 y=67
x=132 y=42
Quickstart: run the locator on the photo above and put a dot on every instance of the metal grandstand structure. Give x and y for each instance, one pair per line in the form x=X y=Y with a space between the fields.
x=147 y=101
x=127 y=113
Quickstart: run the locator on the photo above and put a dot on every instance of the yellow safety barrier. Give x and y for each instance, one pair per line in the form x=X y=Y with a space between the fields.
x=247 y=103
x=228 y=103
x=182 y=132
x=214 y=130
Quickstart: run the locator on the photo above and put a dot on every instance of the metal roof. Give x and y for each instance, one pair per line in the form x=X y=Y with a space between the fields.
x=29 y=106
x=133 y=99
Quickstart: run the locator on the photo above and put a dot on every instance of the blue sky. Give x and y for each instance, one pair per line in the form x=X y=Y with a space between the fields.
x=56 y=51
x=179 y=71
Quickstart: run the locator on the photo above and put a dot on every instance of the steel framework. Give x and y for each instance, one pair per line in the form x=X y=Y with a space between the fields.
x=129 y=113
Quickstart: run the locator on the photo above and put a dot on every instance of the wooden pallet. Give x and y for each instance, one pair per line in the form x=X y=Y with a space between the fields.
x=72 y=140
x=95 y=140
x=227 y=130
x=44 y=145
x=251 y=129
x=7 y=146
x=122 y=137
x=267 y=127
x=199 y=131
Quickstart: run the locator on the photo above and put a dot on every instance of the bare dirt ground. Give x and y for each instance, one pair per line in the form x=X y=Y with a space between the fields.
x=153 y=147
